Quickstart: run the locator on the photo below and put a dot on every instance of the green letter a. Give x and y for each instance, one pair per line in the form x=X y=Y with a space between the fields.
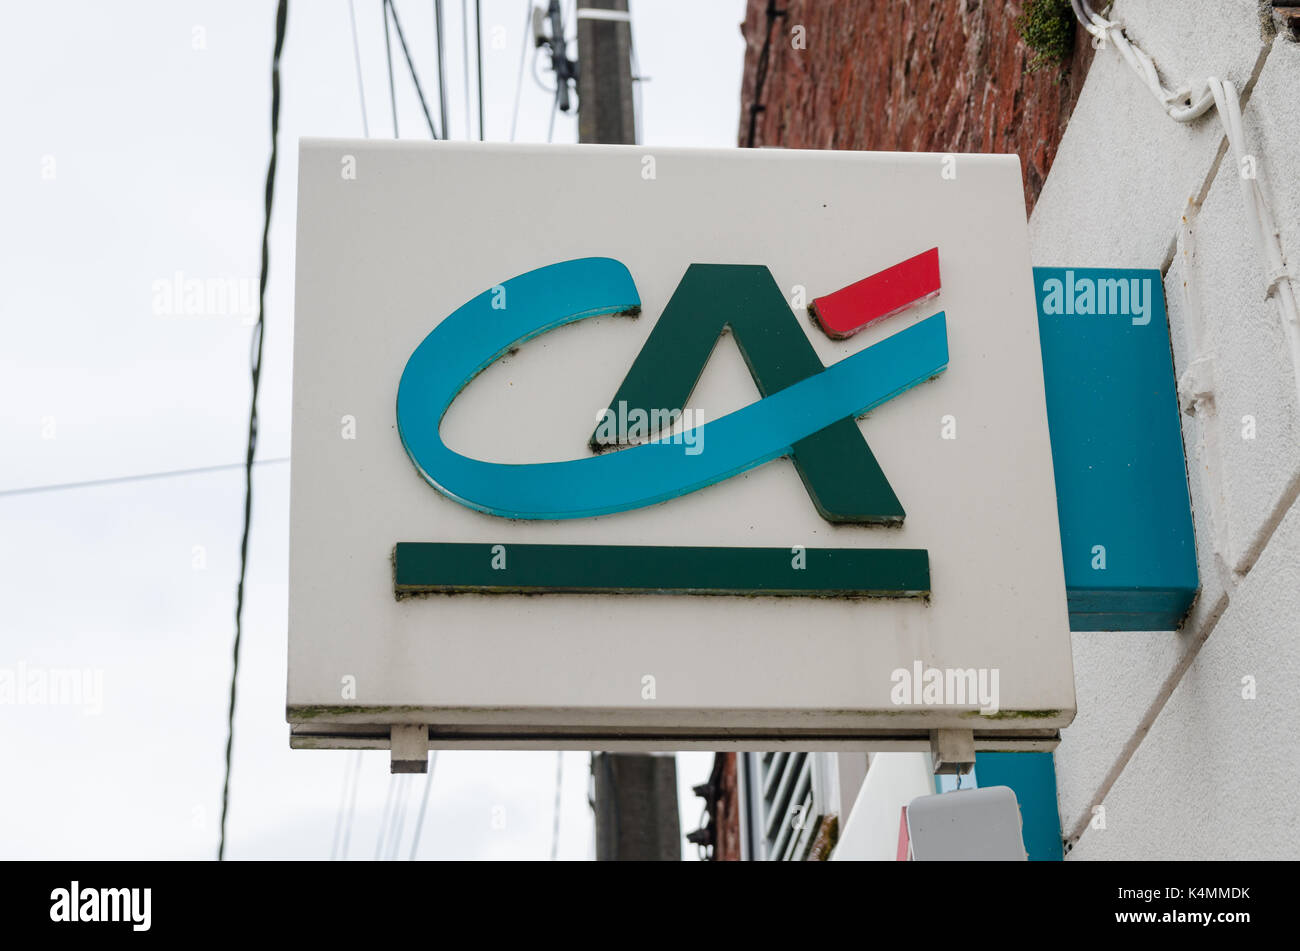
x=838 y=469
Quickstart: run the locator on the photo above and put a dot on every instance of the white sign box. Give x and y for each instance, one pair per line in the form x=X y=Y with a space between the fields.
x=758 y=452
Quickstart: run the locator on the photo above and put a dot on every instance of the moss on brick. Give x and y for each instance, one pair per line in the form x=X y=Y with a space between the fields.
x=1047 y=28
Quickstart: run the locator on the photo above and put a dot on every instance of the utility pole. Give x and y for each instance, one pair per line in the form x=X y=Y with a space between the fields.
x=636 y=807
x=635 y=795
x=605 y=111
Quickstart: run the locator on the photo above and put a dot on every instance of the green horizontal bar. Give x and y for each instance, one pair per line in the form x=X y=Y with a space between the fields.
x=452 y=567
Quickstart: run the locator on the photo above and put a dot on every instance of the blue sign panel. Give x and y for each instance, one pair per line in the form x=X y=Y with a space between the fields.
x=1117 y=448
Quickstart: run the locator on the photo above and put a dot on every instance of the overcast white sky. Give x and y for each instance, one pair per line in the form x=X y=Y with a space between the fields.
x=137 y=136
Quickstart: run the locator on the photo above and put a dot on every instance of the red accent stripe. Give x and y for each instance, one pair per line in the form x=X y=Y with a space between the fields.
x=904 y=844
x=883 y=294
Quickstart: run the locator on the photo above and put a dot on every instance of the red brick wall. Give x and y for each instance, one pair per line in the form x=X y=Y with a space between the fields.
x=904 y=75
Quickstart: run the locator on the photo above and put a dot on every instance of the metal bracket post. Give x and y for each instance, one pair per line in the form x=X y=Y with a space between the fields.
x=952 y=751
x=410 y=748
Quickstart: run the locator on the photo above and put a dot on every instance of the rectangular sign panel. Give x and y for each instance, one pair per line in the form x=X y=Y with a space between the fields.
x=609 y=447
x=1117 y=448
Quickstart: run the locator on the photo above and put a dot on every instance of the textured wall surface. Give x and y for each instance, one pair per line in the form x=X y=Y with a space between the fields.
x=1177 y=747
x=923 y=76
x=1214 y=778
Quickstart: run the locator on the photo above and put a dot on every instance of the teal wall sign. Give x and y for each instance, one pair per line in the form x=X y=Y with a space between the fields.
x=1117 y=449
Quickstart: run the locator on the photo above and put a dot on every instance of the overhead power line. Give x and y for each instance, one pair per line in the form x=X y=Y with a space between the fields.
x=478 y=50
x=424 y=805
x=442 y=77
x=523 y=58
x=388 y=49
x=138 y=477
x=351 y=776
x=559 y=787
x=464 y=55
x=410 y=65
x=399 y=815
x=384 y=818
x=356 y=54
x=255 y=368
x=352 y=809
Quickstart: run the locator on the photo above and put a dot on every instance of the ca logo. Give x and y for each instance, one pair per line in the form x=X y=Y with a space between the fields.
x=807 y=410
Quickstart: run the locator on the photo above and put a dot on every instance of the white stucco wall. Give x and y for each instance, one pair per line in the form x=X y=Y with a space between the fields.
x=1182 y=764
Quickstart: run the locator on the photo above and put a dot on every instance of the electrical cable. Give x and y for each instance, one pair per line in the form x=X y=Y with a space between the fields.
x=399 y=815
x=442 y=55
x=352 y=808
x=356 y=54
x=478 y=49
x=760 y=73
x=637 y=80
x=553 y=90
x=424 y=804
x=1187 y=102
x=700 y=853
x=464 y=55
x=383 y=818
x=557 y=61
x=1260 y=218
x=350 y=776
x=338 y=819
x=559 y=786
x=139 y=477
x=388 y=49
x=523 y=57
x=410 y=65
x=255 y=368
